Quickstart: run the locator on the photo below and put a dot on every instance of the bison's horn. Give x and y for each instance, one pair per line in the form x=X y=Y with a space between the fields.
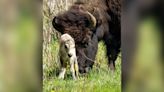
x=93 y=19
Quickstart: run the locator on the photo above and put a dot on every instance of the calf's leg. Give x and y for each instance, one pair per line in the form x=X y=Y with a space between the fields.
x=62 y=73
x=76 y=68
x=63 y=69
x=72 y=67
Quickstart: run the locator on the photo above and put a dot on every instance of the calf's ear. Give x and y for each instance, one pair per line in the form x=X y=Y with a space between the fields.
x=56 y=24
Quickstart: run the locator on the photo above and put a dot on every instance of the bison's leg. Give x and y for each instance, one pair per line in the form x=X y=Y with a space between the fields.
x=72 y=67
x=110 y=55
x=112 y=52
x=113 y=56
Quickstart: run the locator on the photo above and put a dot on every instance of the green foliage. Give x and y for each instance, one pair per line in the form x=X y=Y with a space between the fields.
x=50 y=61
x=99 y=79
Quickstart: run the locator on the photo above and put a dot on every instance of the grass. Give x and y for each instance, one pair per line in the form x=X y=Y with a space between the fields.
x=99 y=79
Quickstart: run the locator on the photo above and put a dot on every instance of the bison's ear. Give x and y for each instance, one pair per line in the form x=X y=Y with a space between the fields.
x=56 y=24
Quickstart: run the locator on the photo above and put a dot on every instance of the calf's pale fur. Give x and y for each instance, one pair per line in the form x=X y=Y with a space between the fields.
x=67 y=54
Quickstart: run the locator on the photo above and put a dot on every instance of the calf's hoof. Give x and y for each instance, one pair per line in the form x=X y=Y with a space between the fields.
x=61 y=77
x=74 y=78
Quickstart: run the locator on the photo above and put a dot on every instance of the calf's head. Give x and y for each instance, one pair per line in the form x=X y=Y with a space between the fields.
x=68 y=44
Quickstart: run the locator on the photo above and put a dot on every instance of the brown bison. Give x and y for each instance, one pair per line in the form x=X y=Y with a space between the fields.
x=89 y=22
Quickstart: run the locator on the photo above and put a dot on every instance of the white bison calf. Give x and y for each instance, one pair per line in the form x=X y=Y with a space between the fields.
x=67 y=54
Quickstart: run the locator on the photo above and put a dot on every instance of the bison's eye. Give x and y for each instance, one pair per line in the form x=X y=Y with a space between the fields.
x=86 y=45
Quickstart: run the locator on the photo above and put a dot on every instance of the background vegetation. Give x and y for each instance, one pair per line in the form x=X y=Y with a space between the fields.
x=99 y=79
x=20 y=47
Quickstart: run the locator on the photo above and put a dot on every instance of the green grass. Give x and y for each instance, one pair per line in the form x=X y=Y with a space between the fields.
x=99 y=79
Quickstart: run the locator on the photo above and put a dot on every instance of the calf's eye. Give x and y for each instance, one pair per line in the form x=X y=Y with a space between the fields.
x=65 y=46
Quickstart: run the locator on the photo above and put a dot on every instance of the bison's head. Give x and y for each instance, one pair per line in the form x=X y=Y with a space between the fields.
x=77 y=22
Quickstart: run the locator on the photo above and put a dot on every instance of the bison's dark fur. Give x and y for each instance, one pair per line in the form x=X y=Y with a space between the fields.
x=81 y=26
x=86 y=56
